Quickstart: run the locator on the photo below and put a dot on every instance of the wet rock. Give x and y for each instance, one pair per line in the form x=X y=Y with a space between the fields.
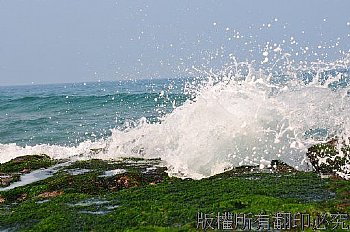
x=94 y=151
x=326 y=159
x=95 y=177
x=90 y=195
x=25 y=170
x=281 y=167
x=22 y=197
x=50 y=194
x=276 y=166
x=25 y=164
x=127 y=182
x=5 y=180
x=12 y=170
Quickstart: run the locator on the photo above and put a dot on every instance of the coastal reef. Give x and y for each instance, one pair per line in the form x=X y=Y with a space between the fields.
x=133 y=194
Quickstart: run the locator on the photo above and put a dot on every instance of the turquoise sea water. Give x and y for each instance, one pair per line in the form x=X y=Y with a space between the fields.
x=66 y=114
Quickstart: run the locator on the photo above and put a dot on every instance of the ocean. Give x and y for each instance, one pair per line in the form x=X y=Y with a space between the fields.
x=68 y=114
x=197 y=126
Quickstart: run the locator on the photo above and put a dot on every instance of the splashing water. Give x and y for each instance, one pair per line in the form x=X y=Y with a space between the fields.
x=236 y=121
x=237 y=116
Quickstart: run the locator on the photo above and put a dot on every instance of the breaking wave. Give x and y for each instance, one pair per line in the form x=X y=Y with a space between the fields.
x=237 y=115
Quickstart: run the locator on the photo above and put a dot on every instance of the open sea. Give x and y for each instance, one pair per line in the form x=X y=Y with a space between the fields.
x=68 y=114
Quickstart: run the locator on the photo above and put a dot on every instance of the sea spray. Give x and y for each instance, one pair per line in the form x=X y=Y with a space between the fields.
x=244 y=122
x=236 y=115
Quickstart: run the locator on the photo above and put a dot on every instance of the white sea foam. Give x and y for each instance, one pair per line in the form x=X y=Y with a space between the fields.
x=236 y=118
x=237 y=123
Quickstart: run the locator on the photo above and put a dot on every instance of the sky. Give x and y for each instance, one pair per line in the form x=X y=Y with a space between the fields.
x=46 y=41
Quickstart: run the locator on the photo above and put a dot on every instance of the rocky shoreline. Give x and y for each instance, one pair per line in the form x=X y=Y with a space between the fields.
x=136 y=194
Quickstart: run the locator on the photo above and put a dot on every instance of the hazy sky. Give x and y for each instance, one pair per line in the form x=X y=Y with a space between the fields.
x=84 y=40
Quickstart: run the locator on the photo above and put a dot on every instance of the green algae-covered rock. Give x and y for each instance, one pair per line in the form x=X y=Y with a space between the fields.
x=138 y=195
x=12 y=170
x=25 y=164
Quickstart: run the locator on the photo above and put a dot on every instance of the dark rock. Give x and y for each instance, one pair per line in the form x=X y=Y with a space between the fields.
x=276 y=166
x=325 y=159
x=5 y=180
x=22 y=197
x=281 y=167
x=126 y=182
x=97 y=150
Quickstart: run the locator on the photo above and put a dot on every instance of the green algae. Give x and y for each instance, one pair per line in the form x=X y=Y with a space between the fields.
x=27 y=163
x=152 y=201
x=11 y=171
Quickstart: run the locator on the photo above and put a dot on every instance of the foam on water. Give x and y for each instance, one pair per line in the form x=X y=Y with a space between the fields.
x=238 y=116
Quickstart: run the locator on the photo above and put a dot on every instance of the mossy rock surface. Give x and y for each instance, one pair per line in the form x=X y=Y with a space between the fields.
x=25 y=164
x=12 y=170
x=138 y=195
